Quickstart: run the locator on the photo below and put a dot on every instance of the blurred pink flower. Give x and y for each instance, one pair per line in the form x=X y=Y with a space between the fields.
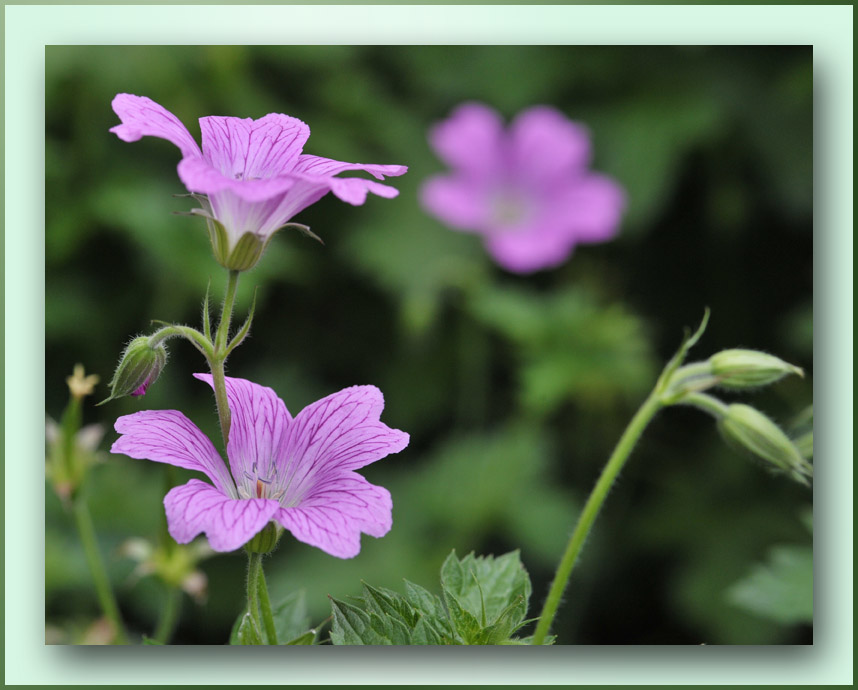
x=527 y=189
x=296 y=471
x=253 y=173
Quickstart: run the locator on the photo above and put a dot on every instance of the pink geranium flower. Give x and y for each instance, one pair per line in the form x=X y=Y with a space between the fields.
x=296 y=471
x=252 y=174
x=526 y=189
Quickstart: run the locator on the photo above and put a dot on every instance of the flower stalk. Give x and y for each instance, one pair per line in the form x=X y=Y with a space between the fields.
x=86 y=531
x=591 y=509
x=216 y=362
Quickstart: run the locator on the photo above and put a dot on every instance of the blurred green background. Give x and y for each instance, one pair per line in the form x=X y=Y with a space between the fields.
x=514 y=389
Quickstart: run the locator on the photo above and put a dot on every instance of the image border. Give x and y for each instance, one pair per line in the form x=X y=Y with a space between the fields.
x=29 y=29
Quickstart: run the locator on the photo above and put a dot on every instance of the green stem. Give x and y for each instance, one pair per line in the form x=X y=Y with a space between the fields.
x=219 y=357
x=96 y=566
x=707 y=403
x=591 y=509
x=254 y=567
x=169 y=615
x=265 y=607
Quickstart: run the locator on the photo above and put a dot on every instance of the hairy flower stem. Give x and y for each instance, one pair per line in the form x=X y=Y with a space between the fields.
x=265 y=608
x=254 y=568
x=96 y=566
x=219 y=357
x=591 y=509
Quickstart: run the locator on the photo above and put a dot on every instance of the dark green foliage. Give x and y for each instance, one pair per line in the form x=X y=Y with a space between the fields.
x=485 y=603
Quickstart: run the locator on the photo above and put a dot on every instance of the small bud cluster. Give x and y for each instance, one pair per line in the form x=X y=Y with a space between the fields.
x=742 y=426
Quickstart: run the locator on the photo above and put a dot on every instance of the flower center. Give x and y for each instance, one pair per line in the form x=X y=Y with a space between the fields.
x=258 y=486
x=510 y=209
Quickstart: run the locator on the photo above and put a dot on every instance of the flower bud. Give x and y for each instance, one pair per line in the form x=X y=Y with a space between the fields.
x=749 y=368
x=265 y=540
x=749 y=429
x=139 y=367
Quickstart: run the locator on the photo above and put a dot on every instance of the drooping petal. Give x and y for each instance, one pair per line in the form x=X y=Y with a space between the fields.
x=246 y=149
x=341 y=431
x=471 y=140
x=169 y=436
x=326 y=167
x=458 y=202
x=258 y=422
x=546 y=144
x=313 y=177
x=591 y=207
x=142 y=116
x=336 y=511
x=228 y=523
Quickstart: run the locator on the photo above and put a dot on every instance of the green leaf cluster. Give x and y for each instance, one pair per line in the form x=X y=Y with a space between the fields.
x=484 y=602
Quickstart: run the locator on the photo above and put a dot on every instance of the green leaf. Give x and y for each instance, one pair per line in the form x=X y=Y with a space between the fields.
x=351 y=626
x=307 y=638
x=487 y=596
x=233 y=633
x=291 y=619
x=781 y=589
x=248 y=632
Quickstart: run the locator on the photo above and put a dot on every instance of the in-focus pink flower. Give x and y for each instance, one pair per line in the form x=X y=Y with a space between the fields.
x=296 y=471
x=526 y=189
x=250 y=175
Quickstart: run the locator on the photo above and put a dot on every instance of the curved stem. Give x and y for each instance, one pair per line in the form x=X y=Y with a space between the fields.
x=96 y=566
x=169 y=615
x=265 y=608
x=591 y=509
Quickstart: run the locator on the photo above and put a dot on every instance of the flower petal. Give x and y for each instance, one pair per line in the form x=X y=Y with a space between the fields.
x=246 y=149
x=546 y=144
x=341 y=431
x=457 y=201
x=333 y=515
x=326 y=167
x=591 y=207
x=530 y=249
x=228 y=522
x=142 y=116
x=258 y=422
x=169 y=436
x=201 y=177
x=471 y=139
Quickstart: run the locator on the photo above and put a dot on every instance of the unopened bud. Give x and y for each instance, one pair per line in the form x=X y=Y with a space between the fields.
x=749 y=429
x=139 y=367
x=749 y=368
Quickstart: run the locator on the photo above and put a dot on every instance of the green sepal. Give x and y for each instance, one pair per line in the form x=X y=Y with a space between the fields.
x=245 y=328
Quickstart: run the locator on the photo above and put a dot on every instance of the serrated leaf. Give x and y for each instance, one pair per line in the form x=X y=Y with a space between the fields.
x=351 y=626
x=486 y=583
x=423 y=600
